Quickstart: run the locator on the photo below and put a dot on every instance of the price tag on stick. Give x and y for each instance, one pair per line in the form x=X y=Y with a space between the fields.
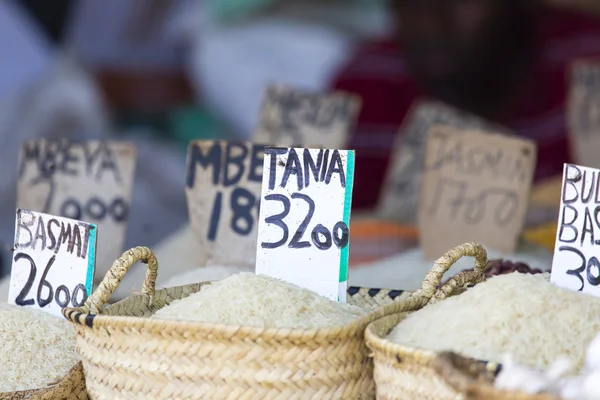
x=575 y=264
x=584 y=112
x=303 y=231
x=294 y=118
x=223 y=194
x=85 y=180
x=475 y=187
x=53 y=262
x=400 y=195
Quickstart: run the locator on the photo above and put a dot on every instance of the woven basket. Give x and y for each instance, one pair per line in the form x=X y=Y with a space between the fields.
x=71 y=387
x=125 y=355
x=474 y=380
x=405 y=373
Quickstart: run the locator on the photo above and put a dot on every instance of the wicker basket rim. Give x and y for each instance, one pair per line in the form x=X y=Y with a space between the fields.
x=377 y=342
x=389 y=349
x=179 y=327
x=73 y=373
x=85 y=317
x=28 y=392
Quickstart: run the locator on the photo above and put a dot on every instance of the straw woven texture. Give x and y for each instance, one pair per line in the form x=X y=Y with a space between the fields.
x=474 y=380
x=71 y=387
x=127 y=356
x=404 y=373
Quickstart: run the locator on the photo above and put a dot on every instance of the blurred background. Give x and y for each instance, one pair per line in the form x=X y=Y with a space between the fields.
x=163 y=72
x=159 y=73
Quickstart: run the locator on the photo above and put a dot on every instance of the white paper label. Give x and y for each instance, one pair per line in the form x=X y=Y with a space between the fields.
x=303 y=230
x=53 y=262
x=576 y=264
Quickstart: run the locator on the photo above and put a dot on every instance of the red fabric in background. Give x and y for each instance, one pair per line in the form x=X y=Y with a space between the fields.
x=377 y=73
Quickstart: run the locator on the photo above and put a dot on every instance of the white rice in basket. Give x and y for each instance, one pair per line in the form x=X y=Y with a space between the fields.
x=200 y=274
x=36 y=348
x=520 y=314
x=247 y=299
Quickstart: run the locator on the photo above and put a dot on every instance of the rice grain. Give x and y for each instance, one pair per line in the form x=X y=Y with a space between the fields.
x=36 y=348
x=520 y=314
x=247 y=299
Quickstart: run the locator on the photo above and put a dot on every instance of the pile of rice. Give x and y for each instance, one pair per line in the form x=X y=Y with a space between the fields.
x=247 y=299
x=200 y=274
x=520 y=314
x=36 y=348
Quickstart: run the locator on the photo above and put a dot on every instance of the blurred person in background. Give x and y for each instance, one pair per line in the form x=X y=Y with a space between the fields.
x=506 y=61
x=49 y=89
x=42 y=94
x=149 y=60
x=235 y=48
x=591 y=6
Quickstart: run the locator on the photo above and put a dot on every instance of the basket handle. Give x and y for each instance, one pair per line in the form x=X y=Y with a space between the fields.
x=117 y=272
x=423 y=296
x=430 y=285
x=460 y=280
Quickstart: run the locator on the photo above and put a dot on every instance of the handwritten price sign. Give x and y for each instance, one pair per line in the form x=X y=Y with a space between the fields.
x=223 y=193
x=81 y=180
x=294 y=118
x=53 y=263
x=475 y=187
x=400 y=196
x=575 y=264
x=303 y=231
x=584 y=112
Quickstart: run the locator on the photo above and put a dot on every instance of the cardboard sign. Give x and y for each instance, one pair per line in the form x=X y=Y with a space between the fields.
x=53 y=262
x=294 y=118
x=475 y=187
x=584 y=113
x=303 y=231
x=88 y=180
x=576 y=264
x=400 y=194
x=223 y=194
